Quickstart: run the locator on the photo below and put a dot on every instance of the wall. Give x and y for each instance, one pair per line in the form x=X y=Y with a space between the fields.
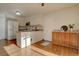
x=21 y=21
x=55 y=20
x=2 y=27
x=36 y=19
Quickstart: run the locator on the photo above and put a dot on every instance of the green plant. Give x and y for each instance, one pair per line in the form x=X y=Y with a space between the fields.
x=71 y=26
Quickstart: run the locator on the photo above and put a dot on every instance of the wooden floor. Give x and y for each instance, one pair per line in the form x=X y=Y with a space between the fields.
x=9 y=48
x=57 y=50
x=5 y=43
x=37 y=49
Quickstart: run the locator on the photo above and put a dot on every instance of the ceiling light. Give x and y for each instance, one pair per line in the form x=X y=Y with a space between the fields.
x=18 y=13
x=42 y=4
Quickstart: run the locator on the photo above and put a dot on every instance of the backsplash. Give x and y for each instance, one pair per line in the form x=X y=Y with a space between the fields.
x=31 y=28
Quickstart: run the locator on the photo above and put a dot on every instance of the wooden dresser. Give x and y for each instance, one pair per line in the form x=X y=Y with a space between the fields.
x=67 y=39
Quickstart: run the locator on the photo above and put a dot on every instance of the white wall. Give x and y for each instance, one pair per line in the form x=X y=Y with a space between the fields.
x=21 y=21
x=55 y=20
x=36 y=19
x=2 y=27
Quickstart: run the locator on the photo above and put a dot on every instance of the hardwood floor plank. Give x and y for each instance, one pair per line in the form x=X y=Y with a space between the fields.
x=58 y=50
x=37 y=49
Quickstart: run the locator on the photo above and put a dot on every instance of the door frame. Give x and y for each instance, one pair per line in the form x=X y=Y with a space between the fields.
x=8 y=19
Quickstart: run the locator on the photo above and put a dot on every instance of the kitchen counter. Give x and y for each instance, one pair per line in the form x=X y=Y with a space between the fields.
x=29 y=30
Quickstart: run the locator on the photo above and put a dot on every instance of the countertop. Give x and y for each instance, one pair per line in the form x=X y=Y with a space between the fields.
x=73 y=31
x=29 y=30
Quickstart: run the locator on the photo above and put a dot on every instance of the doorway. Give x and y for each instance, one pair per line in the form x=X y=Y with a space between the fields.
x=12 y=28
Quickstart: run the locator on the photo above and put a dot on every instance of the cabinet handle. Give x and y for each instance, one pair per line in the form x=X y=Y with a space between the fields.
x=31 y=39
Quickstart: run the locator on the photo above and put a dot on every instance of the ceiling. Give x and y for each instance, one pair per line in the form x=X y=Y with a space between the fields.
x=29 y=9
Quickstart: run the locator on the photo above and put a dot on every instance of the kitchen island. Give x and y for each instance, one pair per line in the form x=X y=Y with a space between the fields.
x=26 y=38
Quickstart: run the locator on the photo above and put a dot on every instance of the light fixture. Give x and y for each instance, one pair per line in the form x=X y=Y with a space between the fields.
x=18 y=13
x=42 y=4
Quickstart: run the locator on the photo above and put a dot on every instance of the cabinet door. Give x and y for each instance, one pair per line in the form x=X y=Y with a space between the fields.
x=36 y=36
x=57 y=38
x=18 y=35
x=73 y=39
x=65 y=39
x=23 y=42
x=32 y=37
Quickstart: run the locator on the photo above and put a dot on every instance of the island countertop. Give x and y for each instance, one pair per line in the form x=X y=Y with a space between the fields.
x=29 y=30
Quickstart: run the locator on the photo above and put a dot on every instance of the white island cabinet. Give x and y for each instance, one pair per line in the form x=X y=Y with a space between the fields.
x=25 y=38
x=36 y=36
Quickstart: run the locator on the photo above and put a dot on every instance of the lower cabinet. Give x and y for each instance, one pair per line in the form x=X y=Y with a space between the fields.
x=27 y=38
x=36 y=36
x=67 y=39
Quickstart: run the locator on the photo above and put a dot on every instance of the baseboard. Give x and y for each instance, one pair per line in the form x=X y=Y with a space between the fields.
x=3 y=39
x=10 y=39
x=46 y=40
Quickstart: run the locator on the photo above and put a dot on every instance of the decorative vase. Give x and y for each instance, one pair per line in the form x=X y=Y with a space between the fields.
x=64 y=28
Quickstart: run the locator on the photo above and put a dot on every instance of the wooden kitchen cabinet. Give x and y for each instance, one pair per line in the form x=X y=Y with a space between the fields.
x=67 y=39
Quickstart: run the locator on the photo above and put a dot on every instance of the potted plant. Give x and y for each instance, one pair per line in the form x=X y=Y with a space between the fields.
x=71 y=26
